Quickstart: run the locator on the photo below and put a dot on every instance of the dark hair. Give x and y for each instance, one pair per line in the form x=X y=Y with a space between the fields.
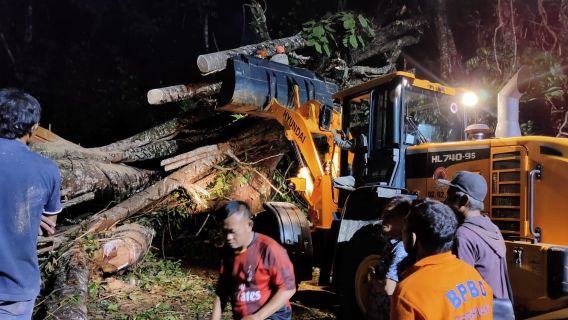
x=454 y=195
x=397 y=208
x=19 y=112
x=235 y=207
x=434 y=224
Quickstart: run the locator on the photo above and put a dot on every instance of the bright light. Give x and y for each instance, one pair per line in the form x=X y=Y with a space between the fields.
x=305 y=173
x=470 y=99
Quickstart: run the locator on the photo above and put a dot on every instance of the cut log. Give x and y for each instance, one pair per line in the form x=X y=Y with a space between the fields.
x=217 y=61
x=182 y=92
x=127 y=245
x=69 y=298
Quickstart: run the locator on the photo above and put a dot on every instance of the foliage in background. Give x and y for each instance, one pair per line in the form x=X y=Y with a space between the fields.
x=340 y=32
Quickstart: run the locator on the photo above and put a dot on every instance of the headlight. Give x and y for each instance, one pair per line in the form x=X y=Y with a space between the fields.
x=470 y=99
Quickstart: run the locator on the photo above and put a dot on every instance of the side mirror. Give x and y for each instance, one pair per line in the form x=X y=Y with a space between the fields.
x=325 y=117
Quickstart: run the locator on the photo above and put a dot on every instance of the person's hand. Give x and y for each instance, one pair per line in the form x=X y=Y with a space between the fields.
x=46 y=225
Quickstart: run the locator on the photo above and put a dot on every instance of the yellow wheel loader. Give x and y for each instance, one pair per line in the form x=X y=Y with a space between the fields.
x=416 y=132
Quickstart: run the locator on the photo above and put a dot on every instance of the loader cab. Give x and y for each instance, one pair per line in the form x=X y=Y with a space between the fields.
x=395 y=112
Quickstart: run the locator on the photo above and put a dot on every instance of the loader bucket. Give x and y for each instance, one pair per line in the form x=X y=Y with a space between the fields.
x=250 y=83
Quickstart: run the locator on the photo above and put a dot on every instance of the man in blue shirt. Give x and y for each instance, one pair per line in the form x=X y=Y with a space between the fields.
x=29 y=201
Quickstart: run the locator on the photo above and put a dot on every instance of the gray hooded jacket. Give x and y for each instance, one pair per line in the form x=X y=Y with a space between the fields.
x=479 y=243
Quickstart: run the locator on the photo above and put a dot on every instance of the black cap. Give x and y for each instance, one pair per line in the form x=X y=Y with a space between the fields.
x=473 y=184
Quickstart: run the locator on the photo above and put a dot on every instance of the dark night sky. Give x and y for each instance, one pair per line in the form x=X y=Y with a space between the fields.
x=91 y=62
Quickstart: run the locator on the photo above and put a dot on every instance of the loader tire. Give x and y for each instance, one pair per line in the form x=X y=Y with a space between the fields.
x=362 y=294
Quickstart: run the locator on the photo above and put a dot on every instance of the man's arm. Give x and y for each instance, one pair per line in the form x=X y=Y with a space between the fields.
x=53 y=205
x=390 y=285
x=217 y=309
x=274 y=304
x=343 y=144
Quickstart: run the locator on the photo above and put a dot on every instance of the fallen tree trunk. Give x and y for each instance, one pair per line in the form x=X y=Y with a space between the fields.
x=262 y=139
x=127 y=245
x=86 y=170
x=184 y=178
x=70 y=293
x=400 y=33
x=217 y=61
x=85 y=176
x=182 y=92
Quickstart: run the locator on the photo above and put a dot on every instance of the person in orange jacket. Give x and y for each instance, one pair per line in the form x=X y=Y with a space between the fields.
x=438 y=285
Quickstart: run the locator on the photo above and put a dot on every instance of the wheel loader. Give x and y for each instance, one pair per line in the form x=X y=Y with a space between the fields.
x=417 y=132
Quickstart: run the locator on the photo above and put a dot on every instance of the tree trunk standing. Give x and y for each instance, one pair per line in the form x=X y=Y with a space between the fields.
x=563 y=34
x=563 y=50
x=217 y=61
x=259 y=20
x=450 y=61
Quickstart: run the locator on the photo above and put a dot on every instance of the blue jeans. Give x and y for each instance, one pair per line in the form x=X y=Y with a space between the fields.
x=16 y=310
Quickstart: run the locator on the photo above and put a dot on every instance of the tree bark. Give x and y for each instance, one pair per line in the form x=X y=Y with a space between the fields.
x=259 y=22
x=450 y=61
x=79 y=177
x=396 y=35
x=217 y=61
x=70 y=293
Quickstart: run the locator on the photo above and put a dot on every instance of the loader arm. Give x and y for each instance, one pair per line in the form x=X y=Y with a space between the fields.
x=296 y=99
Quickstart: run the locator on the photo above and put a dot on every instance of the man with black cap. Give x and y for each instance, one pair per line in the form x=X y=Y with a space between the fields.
x=478 y=241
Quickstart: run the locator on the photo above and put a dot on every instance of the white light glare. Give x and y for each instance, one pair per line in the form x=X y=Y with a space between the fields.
x=305 y=173
x=470 y=99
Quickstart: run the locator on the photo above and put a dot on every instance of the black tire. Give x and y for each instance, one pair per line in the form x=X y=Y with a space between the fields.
x=287 y=225
x=359 y=288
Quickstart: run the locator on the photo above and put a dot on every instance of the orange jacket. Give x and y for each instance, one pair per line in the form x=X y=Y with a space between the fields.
x=442 y=287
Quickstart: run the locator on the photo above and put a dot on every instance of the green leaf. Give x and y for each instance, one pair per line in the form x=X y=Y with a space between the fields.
x=324 y=40
x=361 y=40
x=318 y=31
x=326 y=49
x=318 y=47
x=363 y=21
x=113 y=307
x=333 y=38
x=349 y=24
x=311 y=42
x=353 y=41
x=345 y=42
x=371 y=32
x=329 y=28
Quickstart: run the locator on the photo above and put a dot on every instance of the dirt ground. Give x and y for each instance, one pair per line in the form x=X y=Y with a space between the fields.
x=161 y=288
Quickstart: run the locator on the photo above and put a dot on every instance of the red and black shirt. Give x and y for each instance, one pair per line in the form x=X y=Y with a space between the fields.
x=249 y=279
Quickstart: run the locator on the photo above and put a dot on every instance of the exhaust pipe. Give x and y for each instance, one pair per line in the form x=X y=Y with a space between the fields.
x=508 y=104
